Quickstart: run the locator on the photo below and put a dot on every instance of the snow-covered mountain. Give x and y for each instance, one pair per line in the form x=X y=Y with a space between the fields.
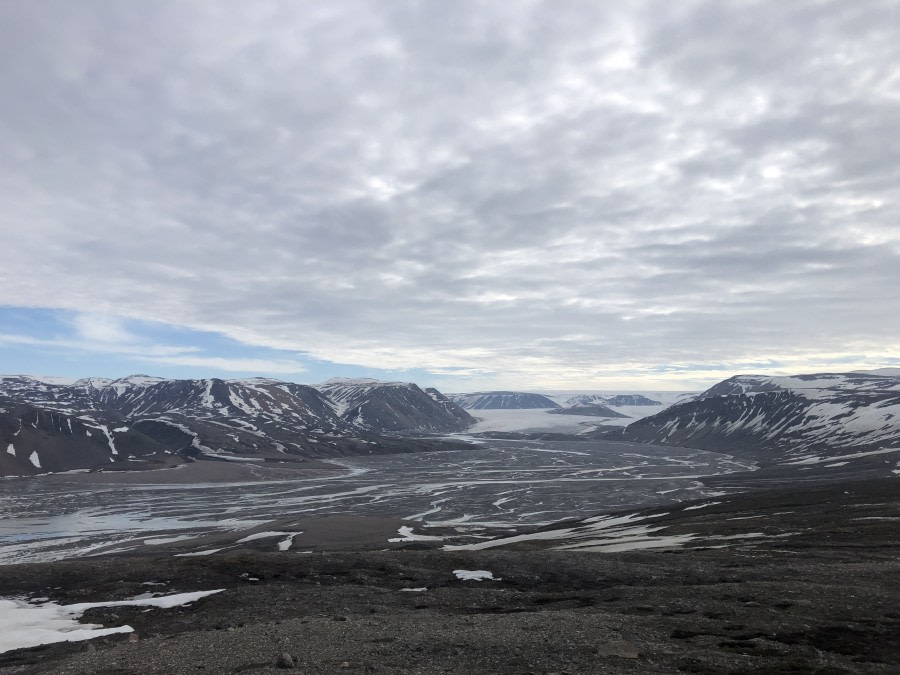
x=502 y=400
x=801 y=419
x=268 y=400
x=393 y=406
x=139 y=416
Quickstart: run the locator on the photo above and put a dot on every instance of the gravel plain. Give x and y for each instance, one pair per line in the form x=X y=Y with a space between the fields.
x=823 y=599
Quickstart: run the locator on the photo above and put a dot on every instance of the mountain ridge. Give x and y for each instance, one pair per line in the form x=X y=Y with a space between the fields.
x=503 y=400
x=806 y=418
x=267 y=419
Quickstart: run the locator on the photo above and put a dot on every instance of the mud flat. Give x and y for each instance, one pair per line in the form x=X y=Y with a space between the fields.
x=818 y=593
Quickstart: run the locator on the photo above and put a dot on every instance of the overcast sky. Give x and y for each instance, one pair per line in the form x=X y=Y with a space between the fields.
x=485 y=194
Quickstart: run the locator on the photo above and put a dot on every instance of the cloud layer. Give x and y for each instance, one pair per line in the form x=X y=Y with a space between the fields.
x=546 y=193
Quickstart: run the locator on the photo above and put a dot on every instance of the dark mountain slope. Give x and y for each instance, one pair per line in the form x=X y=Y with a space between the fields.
x=35 y=440
x=138 y=416
x=502 y=400
x=615 y=400
x=803 y=419
x=394 y=406
x=589 y=409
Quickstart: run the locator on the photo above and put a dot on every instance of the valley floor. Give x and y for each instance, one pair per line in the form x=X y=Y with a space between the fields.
x=178 y=472
x=823 y=600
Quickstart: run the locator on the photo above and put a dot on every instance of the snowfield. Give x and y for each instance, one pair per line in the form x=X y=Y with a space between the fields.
x=26 y=624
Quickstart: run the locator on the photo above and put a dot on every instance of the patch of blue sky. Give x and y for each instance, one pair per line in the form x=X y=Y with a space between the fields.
x=78 y=344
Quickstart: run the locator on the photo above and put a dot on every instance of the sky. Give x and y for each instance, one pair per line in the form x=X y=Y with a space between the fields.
x=470 y=195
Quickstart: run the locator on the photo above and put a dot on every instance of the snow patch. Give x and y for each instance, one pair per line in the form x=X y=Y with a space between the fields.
x=167 y=540
x=286 y=543
x=587 y=529
x=475 y=575
x=630 y=544
x=196 y=553
x=406 y=534
x=207 y=400
x=628 y=539
x=24 y=624
x=109 y=439
x=700 y=506
x=821 y=460
x=264 y=535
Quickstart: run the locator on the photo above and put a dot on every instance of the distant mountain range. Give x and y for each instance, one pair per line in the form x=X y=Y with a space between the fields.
x=521 y=400
x=805 y=420
x=615 y=400
x=58 y=427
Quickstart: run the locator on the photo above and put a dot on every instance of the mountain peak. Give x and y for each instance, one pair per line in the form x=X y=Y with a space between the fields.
x=138 y=380
x=492 y=400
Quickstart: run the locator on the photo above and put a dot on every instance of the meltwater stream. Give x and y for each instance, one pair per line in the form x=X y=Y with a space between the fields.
x=501 y=483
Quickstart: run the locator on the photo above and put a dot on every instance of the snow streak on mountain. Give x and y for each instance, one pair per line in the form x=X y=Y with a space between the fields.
x=393 y=406
x=54 y=427
x=502 y=400
x=802 y=419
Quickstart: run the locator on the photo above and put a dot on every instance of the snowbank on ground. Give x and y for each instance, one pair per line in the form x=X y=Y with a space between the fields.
x=24 y=624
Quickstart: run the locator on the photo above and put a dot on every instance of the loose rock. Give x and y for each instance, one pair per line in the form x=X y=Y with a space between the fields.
x=285 y=661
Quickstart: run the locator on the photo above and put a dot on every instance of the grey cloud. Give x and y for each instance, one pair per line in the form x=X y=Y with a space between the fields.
x=457 y=185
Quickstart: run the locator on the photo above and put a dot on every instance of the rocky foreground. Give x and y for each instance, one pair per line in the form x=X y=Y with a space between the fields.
x=824 y=599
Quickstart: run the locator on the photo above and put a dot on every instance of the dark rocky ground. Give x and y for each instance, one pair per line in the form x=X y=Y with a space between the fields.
x=823 y=599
